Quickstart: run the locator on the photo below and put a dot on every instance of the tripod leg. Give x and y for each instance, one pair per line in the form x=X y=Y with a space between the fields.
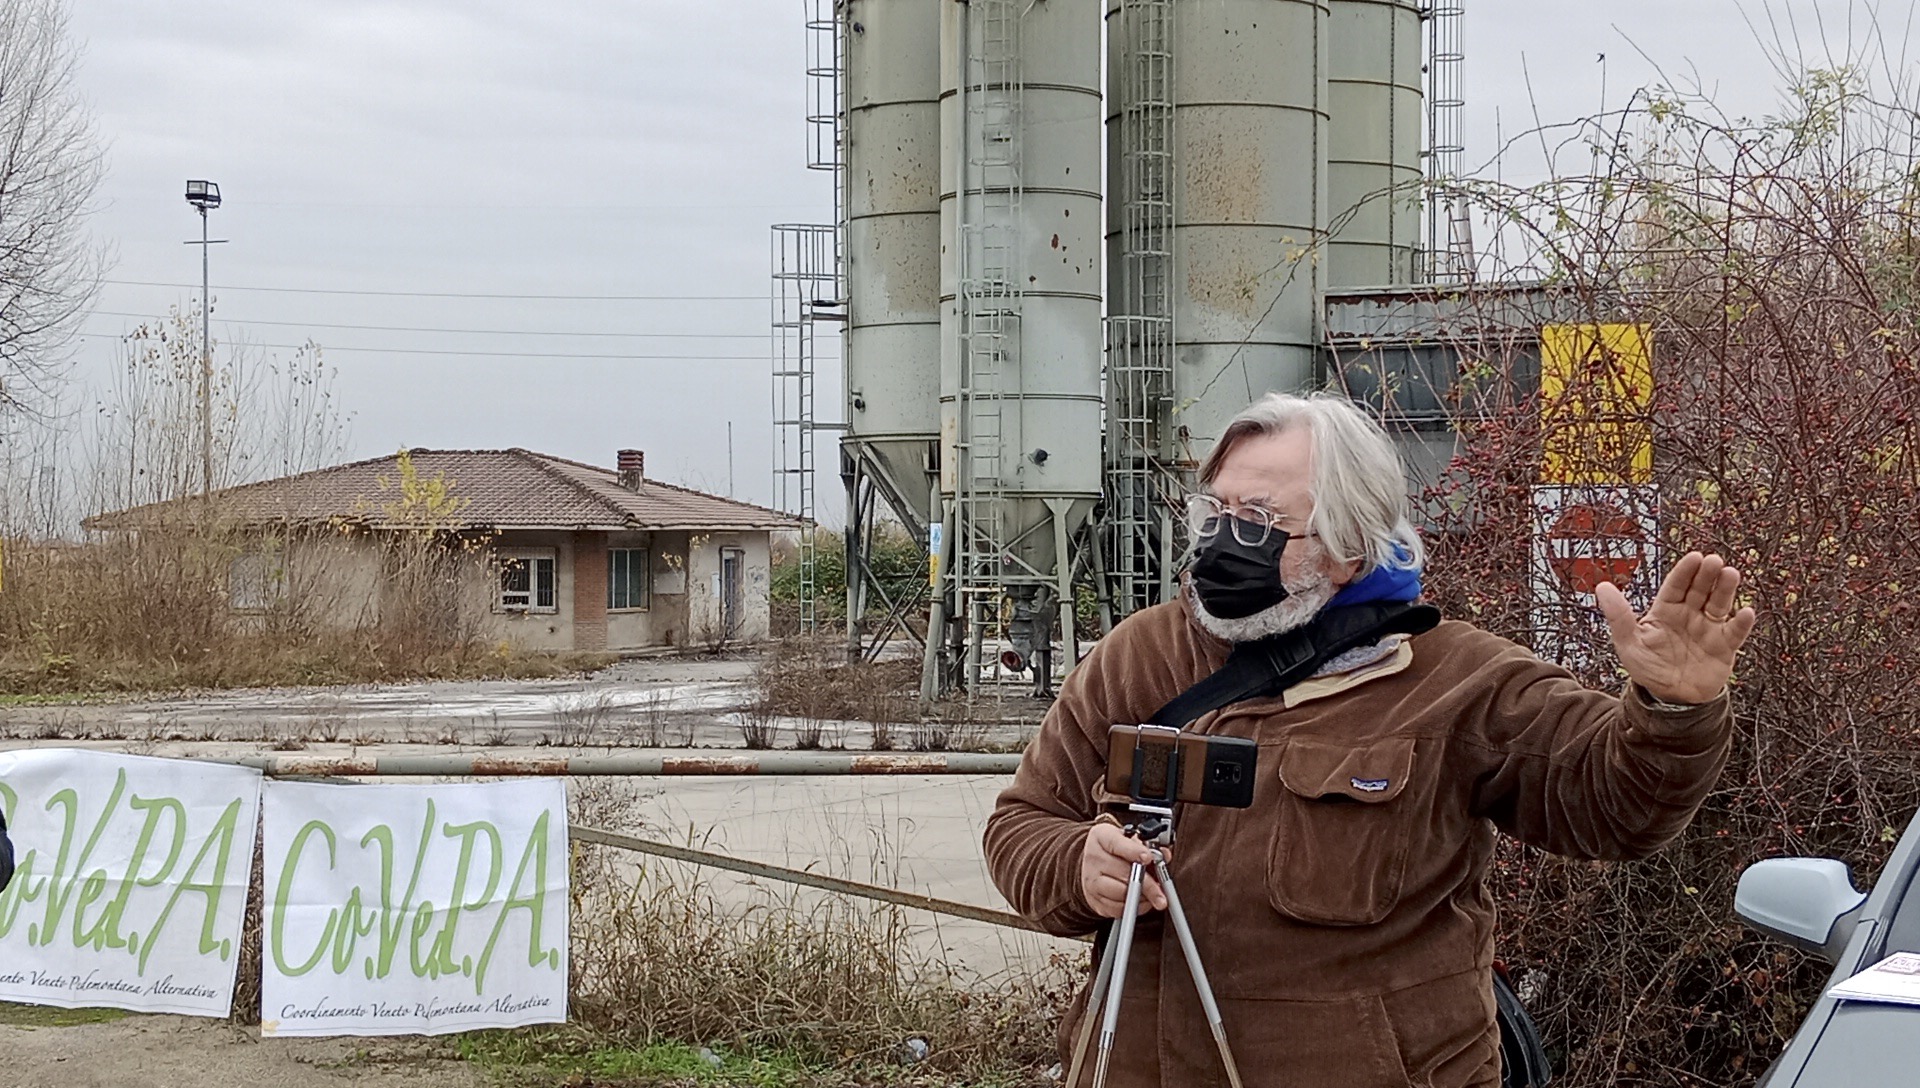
x=1195 y=968
x=1096 y=998
x=1122 y=948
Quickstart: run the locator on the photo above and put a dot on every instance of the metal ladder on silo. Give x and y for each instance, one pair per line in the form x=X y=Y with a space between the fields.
x=1446 y=103
x=990 y=297
x=1141 y=337
x=808 y=278
x=805 y=273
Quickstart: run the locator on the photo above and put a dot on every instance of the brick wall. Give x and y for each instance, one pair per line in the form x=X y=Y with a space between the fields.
x=590 y=591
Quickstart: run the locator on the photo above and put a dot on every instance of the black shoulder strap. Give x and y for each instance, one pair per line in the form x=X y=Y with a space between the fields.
x=1270 y=666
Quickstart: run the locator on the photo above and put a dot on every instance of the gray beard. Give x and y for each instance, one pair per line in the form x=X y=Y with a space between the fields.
x=1305 y=599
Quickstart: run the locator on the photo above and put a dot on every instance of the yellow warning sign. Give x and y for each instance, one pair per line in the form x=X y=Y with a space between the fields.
x=1596 y=399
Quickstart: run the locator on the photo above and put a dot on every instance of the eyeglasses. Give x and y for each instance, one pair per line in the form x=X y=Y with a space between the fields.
x=1252 y=525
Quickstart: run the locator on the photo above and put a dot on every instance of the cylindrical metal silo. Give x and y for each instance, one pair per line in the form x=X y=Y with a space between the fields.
x=1373 y=142
x=1020 y=226
x=893 y=245
x=1249 y=214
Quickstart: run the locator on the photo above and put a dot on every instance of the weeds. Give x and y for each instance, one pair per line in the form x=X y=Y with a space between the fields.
x=582 y=716
x=822 y=981
x=756 y=727
x=655 y=718
x=574 y=1056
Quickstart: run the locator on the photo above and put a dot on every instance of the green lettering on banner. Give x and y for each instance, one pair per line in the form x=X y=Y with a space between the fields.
x=430 y=932
x=534 y=905
x=105 y=931
x=60 y=887
x=393 y=920
x=222 y=839
x=441 y=954
x=277 y=938
x=111 y=866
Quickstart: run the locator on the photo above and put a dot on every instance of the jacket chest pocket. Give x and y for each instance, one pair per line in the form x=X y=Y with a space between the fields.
x=1340 y=840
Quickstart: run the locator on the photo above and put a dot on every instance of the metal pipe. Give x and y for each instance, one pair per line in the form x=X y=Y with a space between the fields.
x=798 y=876
x=675 y=763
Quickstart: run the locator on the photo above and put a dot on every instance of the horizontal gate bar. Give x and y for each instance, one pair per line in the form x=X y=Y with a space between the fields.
x=799 y=876
x=637 y=763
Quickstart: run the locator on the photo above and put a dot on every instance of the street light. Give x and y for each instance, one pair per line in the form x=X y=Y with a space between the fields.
x=205 y=195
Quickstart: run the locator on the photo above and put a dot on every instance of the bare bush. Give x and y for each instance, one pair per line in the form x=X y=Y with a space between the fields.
x=811 y=680
x=756 y=727
x=582 y=717
x=654 y=717
x=810 y=734
x=1776 y=269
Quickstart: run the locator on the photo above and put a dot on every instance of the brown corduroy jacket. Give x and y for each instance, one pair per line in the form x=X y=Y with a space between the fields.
x=1344 y=924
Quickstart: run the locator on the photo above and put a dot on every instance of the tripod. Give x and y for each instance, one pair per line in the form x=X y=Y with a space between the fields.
x=1156 y=831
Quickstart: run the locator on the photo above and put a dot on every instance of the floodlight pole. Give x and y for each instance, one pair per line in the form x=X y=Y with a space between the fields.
x=204 y=195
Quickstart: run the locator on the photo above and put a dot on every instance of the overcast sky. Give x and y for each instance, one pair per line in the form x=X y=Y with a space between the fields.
x=634 y=148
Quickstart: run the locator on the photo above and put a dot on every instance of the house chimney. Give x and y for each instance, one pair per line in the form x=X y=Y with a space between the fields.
x=633 y=469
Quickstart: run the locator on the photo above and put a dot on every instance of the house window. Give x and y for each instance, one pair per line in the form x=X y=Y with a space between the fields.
x=527 y=580
x=256 y=582
x=627 y=581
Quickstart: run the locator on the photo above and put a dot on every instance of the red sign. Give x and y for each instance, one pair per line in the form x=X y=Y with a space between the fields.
x=1592 y=543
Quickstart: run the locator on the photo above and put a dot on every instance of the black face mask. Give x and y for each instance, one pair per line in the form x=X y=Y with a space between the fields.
x=1235 y=580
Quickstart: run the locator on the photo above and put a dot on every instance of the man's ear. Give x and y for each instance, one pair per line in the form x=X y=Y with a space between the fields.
x=1345 y=573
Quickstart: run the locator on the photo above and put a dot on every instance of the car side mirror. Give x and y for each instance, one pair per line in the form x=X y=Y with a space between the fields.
x=1810 y=903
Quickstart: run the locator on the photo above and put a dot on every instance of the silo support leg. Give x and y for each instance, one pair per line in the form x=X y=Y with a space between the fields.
x=931 y=681
x=1063 y=566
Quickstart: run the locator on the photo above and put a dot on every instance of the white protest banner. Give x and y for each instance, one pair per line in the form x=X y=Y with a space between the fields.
x=394 y=910
x=132 y=880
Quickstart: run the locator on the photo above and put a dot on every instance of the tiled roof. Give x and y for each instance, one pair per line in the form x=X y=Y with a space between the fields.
x=494 y=489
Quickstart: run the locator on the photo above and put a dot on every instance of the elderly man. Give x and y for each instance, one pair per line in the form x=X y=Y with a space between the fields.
x=1344 y=919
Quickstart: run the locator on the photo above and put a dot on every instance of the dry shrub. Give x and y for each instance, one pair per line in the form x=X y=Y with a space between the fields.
x=656 y=716
x=810 y=679
x=152 y=611
x=246 y=982
x=659 y=956
x=756 y=726
x=582 y=717
x=1778 y=271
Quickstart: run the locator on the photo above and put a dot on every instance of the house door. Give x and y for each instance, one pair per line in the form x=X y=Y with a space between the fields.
x=733 y=563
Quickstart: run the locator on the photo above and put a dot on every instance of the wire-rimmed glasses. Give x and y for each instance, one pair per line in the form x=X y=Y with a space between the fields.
x=1252 y=525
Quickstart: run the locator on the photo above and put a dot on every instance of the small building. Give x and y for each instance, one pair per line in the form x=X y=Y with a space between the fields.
x=516 y=546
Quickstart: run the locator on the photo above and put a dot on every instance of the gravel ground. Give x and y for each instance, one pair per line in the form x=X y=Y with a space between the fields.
x=185 y=1052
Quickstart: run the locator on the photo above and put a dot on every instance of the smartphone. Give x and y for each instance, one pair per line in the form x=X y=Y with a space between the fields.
x=1158 y=765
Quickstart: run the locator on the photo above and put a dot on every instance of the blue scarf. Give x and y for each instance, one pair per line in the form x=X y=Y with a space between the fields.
x=1384 y=583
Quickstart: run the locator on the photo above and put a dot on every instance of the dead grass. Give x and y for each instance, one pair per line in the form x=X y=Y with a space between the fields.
x=659 y=725
x=662 y=954
x=270 y=666
x=756 y=727
x=150 y=612
x=246 y=982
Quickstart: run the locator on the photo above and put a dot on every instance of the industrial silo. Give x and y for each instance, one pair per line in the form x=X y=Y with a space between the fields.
x=1373 y=142
x=893 y=247
x=1021 y=295
x=1247 y=125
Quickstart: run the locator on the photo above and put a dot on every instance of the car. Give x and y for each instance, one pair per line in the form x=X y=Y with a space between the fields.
x=1812 y=904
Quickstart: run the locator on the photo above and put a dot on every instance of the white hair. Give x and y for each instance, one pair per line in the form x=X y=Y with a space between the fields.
x=1359 y=485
